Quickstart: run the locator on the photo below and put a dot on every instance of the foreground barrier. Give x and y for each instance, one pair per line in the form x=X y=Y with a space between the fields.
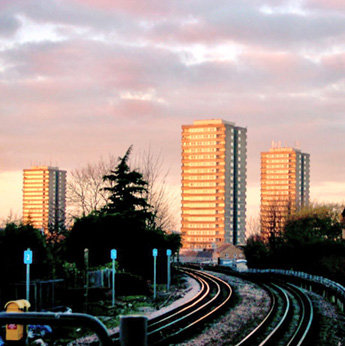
x=133 y=328
x=59 y=319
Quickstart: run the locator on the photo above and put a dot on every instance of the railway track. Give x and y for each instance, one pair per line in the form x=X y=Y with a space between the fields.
x=214 y=294
x=289 y=320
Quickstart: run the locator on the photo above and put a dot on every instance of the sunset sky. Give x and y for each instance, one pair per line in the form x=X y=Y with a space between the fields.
x=81 y=79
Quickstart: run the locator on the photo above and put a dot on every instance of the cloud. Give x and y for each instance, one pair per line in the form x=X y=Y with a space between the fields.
x=8 y=25
x=337 y=6
x=11 y=187
x=328 y=192
x=82 y=78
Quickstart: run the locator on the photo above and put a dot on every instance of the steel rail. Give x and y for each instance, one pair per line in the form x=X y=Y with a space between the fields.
x=204 y=291
x=300 y=329
x=206 y=304
x=205 y=299
x=228 y=296
x=306 y=319
x=210 y=305
x=283 y=319
x=304 y=322
x=266 y=319
x=180 y=313
x=260 y=331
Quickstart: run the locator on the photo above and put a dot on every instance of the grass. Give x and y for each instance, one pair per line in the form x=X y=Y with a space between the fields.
x=110 y=315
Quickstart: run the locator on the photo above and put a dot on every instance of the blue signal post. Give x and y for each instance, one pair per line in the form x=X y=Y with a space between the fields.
x=28 y=261
x=113 y=256
x=154 y=253
x=168 y=269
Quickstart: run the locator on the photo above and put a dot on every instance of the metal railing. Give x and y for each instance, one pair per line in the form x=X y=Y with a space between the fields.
x=59 y=319
x=314 y=278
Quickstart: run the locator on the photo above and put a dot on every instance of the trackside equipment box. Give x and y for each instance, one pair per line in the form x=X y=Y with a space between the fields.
x=15 y=332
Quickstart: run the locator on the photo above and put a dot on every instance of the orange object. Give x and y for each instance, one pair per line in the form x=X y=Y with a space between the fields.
x=15 y=332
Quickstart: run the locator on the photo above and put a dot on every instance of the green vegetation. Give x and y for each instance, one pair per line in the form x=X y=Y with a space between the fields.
x=310 y=241
x=126 y=222
x=14 y=240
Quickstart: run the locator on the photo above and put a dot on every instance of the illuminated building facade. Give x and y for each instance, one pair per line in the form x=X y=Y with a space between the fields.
x=285 y=185
x=44 y=197
x=214 y=175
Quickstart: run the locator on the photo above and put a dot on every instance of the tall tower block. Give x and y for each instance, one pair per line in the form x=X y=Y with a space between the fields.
x=285 y=185
x=214 y=178
x=44 y=197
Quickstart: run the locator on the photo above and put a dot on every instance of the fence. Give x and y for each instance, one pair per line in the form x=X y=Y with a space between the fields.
x=332 y=290
x=100 y=278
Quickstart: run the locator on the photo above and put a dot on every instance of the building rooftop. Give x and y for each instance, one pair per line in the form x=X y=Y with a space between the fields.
x=212 y=121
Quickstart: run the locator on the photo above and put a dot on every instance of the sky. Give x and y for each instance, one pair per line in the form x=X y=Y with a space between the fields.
x=81 y=79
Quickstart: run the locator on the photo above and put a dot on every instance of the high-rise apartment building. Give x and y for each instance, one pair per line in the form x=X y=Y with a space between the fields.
x=44 y=197
x=285 y=184
x=214 y=175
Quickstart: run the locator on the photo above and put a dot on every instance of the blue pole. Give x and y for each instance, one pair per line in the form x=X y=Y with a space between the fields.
x=113 y=284
x=28 y=261
x=168 y=269
x=28 y=282
x=113 y=256
x=154 y=277
x=154 y=253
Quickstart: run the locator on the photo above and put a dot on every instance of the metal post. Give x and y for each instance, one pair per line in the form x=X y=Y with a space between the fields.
x=28 y=282
x=86 y=293
x=113 y=255
x=28 y=261
x=113 y=284
x=168 y=269
x=154 y=277
x=155 y=253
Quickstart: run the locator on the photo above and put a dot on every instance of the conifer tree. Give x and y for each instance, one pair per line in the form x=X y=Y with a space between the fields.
x=127 y=192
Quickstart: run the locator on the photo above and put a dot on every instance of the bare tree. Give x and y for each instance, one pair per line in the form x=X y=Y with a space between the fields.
x=274 y=216
x=159 y=196
x=253 y=227
x=85 y=192
x=84 y=187
x=11 y=218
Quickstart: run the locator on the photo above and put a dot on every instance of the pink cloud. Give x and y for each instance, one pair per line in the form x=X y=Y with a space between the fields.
x=132 y=109
x=337 y=5
x=154 y=8
x=335 y=62
x=273 y=61
x=120 y=77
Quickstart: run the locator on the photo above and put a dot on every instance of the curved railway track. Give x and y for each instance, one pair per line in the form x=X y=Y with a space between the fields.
x=214 y=294
x=289 y=320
